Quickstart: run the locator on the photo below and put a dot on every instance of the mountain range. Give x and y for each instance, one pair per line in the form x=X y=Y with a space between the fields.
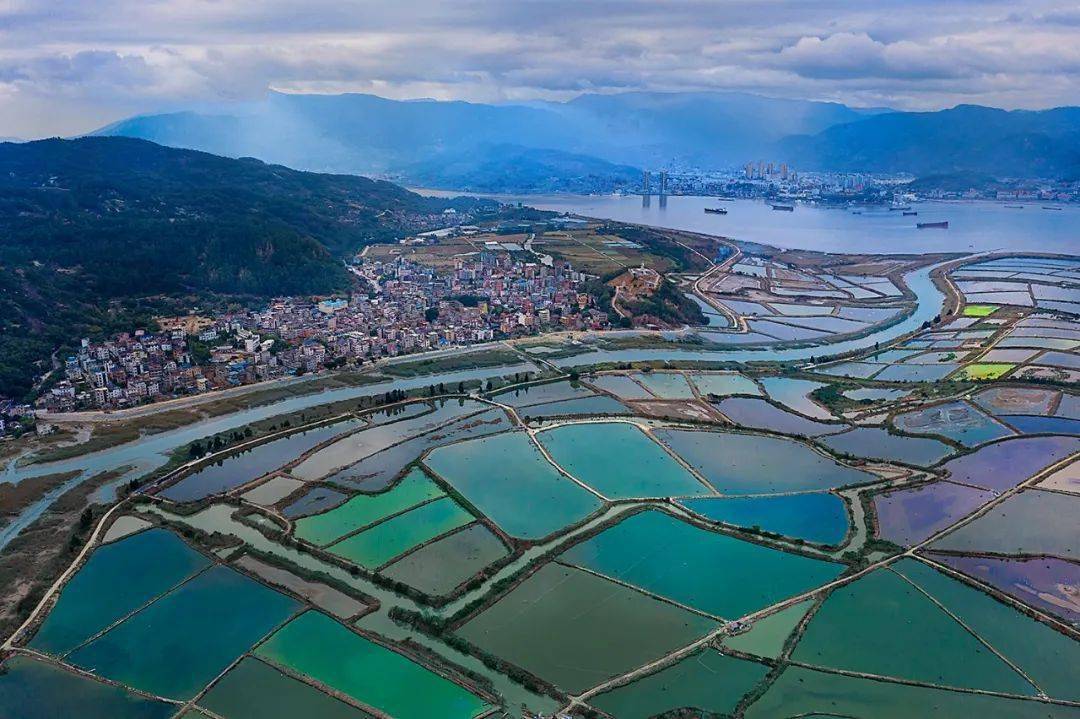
x=600 y=142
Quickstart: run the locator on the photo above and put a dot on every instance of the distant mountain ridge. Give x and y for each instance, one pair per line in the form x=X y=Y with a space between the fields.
x=366 y=134
x=406 y=140
x=963 y=139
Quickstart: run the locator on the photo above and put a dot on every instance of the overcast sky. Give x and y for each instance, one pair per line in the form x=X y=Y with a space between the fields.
x=69 y=66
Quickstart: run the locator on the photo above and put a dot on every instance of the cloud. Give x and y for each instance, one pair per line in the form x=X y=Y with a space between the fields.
x=84 y=61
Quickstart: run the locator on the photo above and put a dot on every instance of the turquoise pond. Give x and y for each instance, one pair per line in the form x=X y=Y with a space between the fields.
x=105 y=589
x=619 y=460
x=708 y=571
x=176 y=645
x=507 y=478
x=818 y=517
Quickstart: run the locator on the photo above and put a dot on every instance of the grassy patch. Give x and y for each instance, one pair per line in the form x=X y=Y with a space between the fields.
x=980 y=310
x=984 y=370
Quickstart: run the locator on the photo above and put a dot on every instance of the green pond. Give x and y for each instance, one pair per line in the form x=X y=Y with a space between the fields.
x=800 y=692
x=1032 y=522
x=255 y=690
x=619 y=460
x=817 y=517
x=1048 y=657
x=709 y=571
x=766 y=637
x=504 y=474
x=753 y=464
x=378 y=545
x=577 y=630
x=31 y=689
x=365 y=509
x=335 y=656
x=176 y=645
x=441 y=566
x=881 y=624
x=707 y=681
x=106 y=589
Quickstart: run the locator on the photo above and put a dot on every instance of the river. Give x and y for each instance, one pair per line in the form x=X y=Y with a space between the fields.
x=977 y=226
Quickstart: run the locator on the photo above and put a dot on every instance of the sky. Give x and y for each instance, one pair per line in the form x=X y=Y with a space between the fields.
x=70 y=66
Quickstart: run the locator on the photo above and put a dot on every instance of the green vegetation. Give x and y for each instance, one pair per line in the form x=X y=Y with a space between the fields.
x=455 y=361
x=983 y=371
x=980 y=310
x=101 y=234
x=668 y=305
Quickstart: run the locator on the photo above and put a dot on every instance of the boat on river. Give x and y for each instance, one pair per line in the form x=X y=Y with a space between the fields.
x=784 y=208
x=715 y=211
x=944 y=225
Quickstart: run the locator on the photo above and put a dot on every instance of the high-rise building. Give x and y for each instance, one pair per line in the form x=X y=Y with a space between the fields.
x=645 y=182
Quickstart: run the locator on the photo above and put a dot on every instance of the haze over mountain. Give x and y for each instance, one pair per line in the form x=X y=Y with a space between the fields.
x=569 y=145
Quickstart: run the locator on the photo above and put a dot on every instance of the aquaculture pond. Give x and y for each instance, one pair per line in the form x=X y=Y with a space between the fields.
x=105 y=589
x=1050 y=584
x=724 y=384
x=382 y=542
x=958 y=421
x=32 y=689
x=598 y=405
x=707 y=681
x=912 y=515
x=243 y=467
x=708 y=571
x=317 y=499
x=802 y=692
x=1048 y=658
x=333 y=655
x=1030 y=424
x=876 y=443
x=502 y=474
x=273 y=491
x=542 y=393
x=321 y=595
x=850 y=632
x=818 y=517
x=560 y=612
x=620 y=385
x=255 y=690
x=1032 y=522
x=365 y=509
x=795 y=394
x=619 y=460
x=737 y=463
x=175 y=646
x=767 y=636
x=441 y=566
x=759 y=414
x=1005 y=464
x=666 y=385
x=379 y=471
x=351 y=449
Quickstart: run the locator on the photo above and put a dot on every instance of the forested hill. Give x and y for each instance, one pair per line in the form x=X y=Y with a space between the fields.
x=98 y=232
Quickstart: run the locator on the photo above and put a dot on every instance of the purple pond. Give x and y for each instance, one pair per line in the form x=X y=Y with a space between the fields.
x=909 y=516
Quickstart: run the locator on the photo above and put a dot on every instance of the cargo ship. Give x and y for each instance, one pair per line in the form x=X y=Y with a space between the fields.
x=1048 y=207
x=1015 y=207
x=911 y=213
x=784 y=208
x=933 y=225
x=715 y=210
x=899 y=208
